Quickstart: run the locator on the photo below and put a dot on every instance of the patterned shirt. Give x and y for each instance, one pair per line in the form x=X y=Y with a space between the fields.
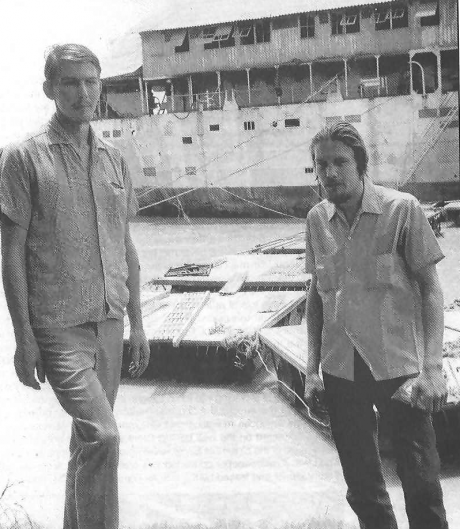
x=76 y=223
x=365 y=277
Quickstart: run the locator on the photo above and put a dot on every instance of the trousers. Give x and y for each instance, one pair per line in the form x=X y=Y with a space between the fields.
x=354 y=429
x=83 y=366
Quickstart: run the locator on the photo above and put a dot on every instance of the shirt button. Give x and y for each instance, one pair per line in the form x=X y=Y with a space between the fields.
x=348 y=270
x=349 y=237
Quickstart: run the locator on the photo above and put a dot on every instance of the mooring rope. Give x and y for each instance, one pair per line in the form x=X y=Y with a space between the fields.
x=310 y=414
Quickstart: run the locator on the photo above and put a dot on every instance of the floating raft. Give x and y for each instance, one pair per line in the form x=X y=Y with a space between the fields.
x=452 y=211
x=294 y=244
x=203 y=330
x=288 y=347
x=252 y=271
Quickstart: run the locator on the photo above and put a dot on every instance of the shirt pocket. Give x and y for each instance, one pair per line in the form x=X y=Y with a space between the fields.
x=326 y=274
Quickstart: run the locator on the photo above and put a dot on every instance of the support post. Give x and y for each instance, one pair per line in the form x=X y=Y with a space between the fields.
x=219 y=94
x=346 y=77
x=310 y=64
x=190 y=90
x=147 y=96
x=377 y=60
x=141 y=94
x=249 y=85
x=172 y=96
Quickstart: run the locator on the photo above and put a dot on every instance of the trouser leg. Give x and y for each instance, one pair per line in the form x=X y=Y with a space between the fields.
x=83 y=366
x=418 y=466
x=354 y=429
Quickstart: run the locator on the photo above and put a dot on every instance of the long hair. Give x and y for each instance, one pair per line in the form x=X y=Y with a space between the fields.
x=348 y=135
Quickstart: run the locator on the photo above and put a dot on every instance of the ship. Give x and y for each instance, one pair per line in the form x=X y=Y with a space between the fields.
x=214 y=103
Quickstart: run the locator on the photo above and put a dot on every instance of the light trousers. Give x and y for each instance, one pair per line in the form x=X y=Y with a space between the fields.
x=83 y=366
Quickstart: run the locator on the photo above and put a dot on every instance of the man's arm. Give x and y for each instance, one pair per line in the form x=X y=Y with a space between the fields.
x=314 y=388
x=139 y=346
x=27 y=357
x=429 y=389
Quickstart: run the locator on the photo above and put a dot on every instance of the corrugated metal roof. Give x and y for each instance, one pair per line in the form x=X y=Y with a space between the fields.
x=180 y=14
x=123 y=57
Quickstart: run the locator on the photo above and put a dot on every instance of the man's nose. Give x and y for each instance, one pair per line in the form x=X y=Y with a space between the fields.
x=83 y=89
x=331 y=171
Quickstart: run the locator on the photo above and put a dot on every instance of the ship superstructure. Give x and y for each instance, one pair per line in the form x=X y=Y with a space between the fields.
x=220 y=110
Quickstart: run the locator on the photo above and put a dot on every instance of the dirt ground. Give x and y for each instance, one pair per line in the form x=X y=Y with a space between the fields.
x=233 y=455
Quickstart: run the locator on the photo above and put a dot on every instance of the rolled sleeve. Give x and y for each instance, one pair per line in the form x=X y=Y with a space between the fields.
x=420 y=245
x=131 y=200
x=15 y=195
x=309 y=254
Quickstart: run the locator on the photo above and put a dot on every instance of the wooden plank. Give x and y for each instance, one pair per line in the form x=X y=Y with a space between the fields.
x=234 y=284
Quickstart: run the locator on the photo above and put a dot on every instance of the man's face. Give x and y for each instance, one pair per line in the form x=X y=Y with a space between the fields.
x=336 y=169
x=76 y=90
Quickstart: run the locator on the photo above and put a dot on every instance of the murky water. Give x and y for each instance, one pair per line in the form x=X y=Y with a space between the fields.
x=231 y=456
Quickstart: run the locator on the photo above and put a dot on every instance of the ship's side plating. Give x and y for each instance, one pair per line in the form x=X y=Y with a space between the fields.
x=222 y=148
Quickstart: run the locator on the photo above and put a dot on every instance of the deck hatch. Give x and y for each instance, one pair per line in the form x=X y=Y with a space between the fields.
x=106 y=133
x=214 y=127
x=190 y=170
x=116 y=134
x=186 y=140
x=249 y=125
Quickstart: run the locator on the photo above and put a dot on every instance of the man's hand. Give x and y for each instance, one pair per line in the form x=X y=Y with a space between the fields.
x=429 y=390
x=27 y=359
x=314 y=394
x=140 y=352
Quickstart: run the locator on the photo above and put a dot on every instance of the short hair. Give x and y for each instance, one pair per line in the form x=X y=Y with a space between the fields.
x=68 y=52
x=348 y=135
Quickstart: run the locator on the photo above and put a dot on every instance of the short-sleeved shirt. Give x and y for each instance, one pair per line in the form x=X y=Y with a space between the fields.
x=76 y=222
x=365 y=277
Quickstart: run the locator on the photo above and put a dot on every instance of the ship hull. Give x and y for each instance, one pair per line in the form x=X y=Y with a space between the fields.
x=180 y=165
x=261 y=202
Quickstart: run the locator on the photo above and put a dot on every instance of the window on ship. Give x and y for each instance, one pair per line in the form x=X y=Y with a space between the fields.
x=255 y=32
x=428 y=12
x=344 y=23
x=391 y=17
x=307 y=26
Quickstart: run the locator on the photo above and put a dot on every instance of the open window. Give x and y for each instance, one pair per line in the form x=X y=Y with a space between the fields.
x=224 y=36
x=184 y=46
x=428 y=13
x=344 y=23
x=391 y=17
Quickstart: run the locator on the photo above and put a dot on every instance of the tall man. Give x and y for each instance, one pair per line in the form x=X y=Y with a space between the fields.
x=375 y=319
x=69 y=271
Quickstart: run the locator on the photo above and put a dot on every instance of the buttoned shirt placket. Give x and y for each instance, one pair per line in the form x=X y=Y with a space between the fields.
x=346 y=244
x=93 y=161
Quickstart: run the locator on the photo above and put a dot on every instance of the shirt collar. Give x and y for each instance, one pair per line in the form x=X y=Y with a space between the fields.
x=371 y=202
x=57 y=135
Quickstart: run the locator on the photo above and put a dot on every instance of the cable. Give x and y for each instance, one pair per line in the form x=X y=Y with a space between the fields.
x=310 y=414
x=259 y=205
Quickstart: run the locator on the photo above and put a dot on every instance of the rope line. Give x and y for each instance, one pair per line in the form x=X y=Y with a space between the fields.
x=310 y=414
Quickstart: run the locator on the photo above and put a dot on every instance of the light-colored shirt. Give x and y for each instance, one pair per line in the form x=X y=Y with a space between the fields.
x=365 y=277
x=76 y=223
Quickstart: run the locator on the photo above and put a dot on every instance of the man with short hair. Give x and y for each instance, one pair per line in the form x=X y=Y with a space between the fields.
x=375 y=322
x=69 y=271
